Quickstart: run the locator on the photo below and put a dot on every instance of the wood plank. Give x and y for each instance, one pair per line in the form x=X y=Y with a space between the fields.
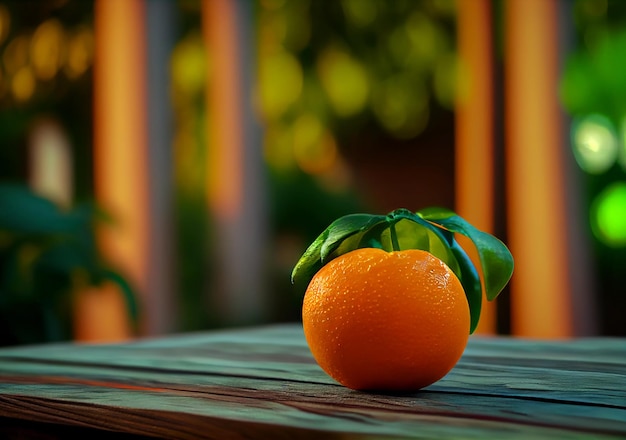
x=264 y=381
x=136 y=414
x=220 y=394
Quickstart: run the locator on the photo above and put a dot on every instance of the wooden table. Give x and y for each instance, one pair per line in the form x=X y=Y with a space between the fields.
x=263 y=383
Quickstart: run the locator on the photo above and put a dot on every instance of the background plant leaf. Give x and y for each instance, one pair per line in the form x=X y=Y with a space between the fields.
x=127 y=291
x=22 y=211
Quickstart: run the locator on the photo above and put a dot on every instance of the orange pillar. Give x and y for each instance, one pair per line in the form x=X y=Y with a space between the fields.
x=235 y=163
x=120 y=156
x=540 y=300
x=225 y=113
x=474 y=130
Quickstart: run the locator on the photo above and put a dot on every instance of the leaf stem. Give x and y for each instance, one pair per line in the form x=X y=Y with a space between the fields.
x=395 y=245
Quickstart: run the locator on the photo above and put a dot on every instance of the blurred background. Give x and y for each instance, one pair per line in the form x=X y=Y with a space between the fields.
x=164 y=163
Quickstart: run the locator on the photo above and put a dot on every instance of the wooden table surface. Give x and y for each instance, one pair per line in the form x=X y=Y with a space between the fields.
x=263 y=383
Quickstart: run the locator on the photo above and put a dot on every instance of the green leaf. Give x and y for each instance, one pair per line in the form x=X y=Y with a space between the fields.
x=322 y=249
x=440 y=243
x=412 y=236
x=372 y=237
x=468 y=275
x=356 y=241
x=435 y=213
x=416 y=233
x=496 y=260
x=310 y=262
x=343 y=228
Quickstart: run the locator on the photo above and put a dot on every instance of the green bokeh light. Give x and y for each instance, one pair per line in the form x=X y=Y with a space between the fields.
x=608 y=215
x=594 y=143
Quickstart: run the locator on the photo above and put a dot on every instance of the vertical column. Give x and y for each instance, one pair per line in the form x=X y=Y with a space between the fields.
x=120 y=161
x=235 y=163
x=161 y=308
x=540 y=299
x=474 y=129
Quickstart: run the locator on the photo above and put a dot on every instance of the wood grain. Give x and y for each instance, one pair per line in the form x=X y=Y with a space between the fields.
x=263 y=383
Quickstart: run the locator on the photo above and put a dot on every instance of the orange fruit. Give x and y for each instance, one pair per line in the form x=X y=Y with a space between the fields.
x=377 y=320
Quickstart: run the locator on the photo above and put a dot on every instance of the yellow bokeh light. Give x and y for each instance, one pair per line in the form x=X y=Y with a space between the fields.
x=345 y=81
x=189 y=65
x=47 y=49
x=15 y=55
x=594 y=143
x=79 y=53
x=23 y=84
x=280 y=83
x=314 y=147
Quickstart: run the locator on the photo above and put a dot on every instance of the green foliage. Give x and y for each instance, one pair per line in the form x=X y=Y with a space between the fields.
x=432 y=230
x=593 y=80
x=45 y=254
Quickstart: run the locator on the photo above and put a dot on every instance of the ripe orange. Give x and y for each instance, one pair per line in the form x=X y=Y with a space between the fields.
x=377 y=320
